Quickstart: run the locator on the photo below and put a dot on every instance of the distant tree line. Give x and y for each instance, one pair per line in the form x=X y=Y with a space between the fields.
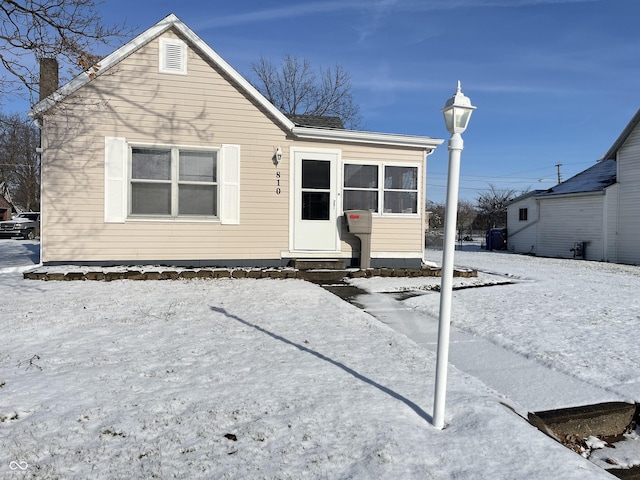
x=488 y=211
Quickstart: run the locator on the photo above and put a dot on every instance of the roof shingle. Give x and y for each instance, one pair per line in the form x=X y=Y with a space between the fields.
x=316 y=121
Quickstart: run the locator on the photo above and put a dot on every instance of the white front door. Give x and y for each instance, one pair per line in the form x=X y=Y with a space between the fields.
x=315 y=201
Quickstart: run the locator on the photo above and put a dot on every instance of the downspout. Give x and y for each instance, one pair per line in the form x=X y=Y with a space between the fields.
x=531 y=224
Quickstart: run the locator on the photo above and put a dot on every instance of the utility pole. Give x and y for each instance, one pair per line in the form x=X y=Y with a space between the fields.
x=558 y=165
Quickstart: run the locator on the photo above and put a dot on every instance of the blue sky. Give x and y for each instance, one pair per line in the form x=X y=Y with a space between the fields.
x=555 y=81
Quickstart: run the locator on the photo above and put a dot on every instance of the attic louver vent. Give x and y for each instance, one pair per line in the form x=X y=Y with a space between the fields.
x=173 y=56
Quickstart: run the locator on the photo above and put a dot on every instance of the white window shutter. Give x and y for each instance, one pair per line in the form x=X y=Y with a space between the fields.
x=229 y=170
x=115 y=176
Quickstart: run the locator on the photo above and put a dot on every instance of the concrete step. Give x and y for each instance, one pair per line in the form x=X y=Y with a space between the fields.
x=317 y=264
x=608 y=421
x=323 y=276
x=600 y=420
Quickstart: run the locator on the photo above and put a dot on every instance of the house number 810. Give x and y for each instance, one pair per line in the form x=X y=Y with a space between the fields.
x=278 y=189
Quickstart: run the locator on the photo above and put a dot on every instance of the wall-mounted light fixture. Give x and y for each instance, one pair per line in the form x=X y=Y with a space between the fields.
x=277 y=156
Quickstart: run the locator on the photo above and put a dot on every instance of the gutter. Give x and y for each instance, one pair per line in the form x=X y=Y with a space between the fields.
x=572 y=194
x=357 y=136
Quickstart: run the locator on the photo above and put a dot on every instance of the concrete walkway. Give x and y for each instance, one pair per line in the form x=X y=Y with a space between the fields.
x=531 y=385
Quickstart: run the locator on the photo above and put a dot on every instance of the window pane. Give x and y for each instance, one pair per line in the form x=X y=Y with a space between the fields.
x=315 y=205
x=361 y=176
x=316 y=174
x=151 y=164
x=198 y=200
x=360 y=200
x=401 y=178
x=197 y=166
x=523 y=214
x=401 y=202
x=151 y=198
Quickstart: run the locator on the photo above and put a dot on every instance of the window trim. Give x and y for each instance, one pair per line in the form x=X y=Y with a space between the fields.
x=175 y=182
x=523 y=212
x=361 y=189
x=381 y=189
x=416 y=190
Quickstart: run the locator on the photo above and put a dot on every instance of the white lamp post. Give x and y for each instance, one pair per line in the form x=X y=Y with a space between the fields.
x=457 y=112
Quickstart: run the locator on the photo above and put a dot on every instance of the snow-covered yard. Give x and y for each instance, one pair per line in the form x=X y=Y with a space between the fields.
x=280 y=379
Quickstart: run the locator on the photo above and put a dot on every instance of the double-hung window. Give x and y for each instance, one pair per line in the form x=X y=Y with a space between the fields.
x=360 y=187
x=173 y=182
x=400 y=189
x=389 y=189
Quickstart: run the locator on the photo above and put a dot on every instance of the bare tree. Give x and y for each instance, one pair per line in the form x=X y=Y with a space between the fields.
x=466 y=215
x=296 y=88
x=436 y=214
x=492 y=206
x=19 y=162
x=68 y=30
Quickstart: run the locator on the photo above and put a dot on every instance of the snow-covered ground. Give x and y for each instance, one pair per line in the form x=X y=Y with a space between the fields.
x=266 y=379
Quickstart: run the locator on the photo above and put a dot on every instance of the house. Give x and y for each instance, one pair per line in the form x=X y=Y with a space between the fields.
x=163 y=153
x=593 y=215
x=5 y=209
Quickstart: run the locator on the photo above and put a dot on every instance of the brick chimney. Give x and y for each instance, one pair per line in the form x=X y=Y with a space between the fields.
x=48 y=77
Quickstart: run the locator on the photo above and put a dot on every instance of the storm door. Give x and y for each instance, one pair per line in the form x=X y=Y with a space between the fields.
x=315 y=201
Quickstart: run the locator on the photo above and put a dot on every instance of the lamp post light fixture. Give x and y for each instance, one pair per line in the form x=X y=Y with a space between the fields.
x=457 y=111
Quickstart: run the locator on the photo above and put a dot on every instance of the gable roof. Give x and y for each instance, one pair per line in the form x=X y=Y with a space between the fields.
x=300 y=131
x=594 y=179
x=4 y=203
x=631 y=126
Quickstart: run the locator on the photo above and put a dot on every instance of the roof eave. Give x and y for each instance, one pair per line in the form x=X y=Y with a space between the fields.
x=158 y=29
x=106 y=63
x=612 y=152
x=591 y=193
x=357 y=136
x=309 y=133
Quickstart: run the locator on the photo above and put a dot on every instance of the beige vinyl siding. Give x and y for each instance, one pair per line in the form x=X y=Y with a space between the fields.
x=201 y=109
x=144 y=106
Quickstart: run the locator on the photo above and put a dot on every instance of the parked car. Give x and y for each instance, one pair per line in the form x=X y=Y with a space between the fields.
x=25 y=225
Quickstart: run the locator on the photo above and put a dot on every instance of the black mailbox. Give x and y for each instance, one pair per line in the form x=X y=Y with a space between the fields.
x=359 y=223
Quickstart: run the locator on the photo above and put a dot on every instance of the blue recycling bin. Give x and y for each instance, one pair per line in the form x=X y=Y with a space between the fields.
x=497 y=239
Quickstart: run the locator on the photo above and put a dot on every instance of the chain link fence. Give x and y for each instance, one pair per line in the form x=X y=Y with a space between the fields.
x=434 y=239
